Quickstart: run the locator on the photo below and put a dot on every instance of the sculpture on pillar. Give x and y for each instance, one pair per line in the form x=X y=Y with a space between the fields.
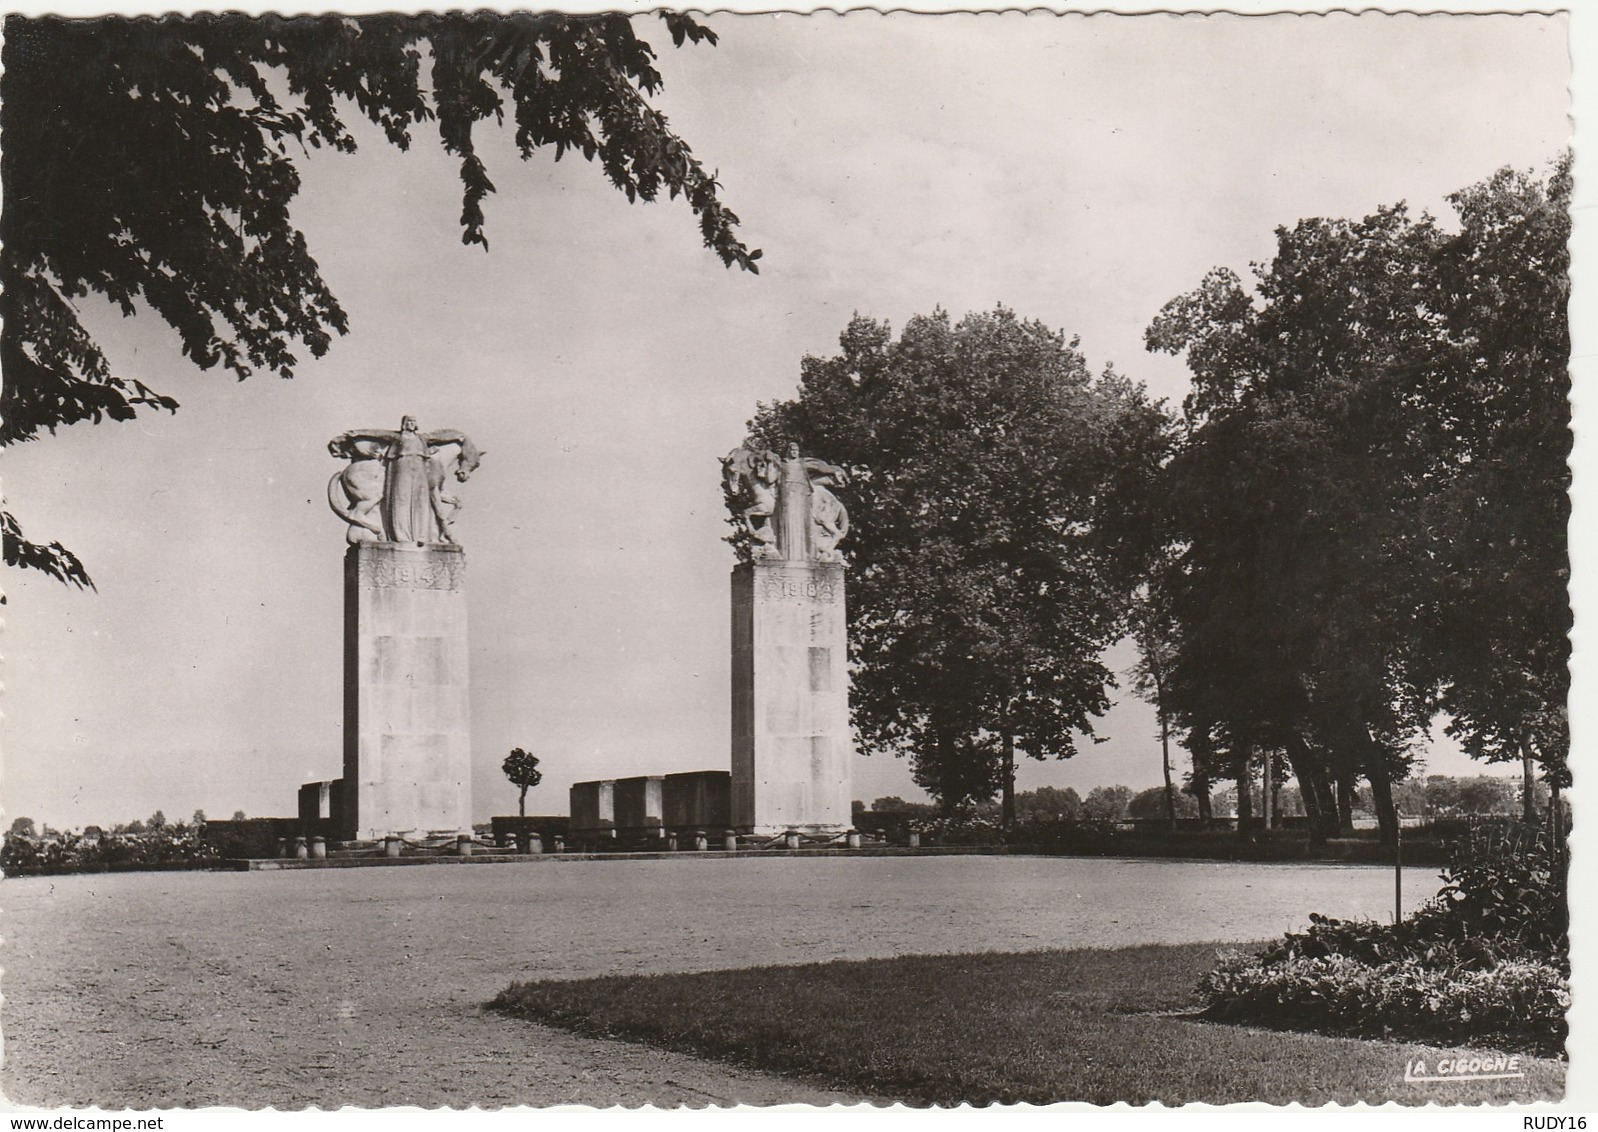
x=829 y=519
x=783 y=506
x=394 y=487
x=749 y=481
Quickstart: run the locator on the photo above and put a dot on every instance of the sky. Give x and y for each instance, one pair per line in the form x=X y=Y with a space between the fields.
x=1079 y=170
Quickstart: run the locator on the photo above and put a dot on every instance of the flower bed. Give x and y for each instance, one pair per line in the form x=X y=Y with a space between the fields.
x=1488 y=958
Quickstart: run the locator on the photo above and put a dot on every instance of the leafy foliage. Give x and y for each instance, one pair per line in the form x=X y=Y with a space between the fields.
x=1488 y=957
x=1509 y=887
x=1522 y=1003
x=1439 y=795
x=151 y=162
x=1151 y=803
x=1365 y=521
x=896 y=804
x=67 y=853
x=1498 y=632
x=961 y=828
x=986 y=469
x=1048 y=803
x=1106 y=803
x=522 y=769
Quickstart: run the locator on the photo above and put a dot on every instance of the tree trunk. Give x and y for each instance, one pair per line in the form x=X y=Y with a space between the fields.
x=1528 y=786
x=521 y=803
x=1382 y=799
x=1165 y=754
x=1319 y=807
x=1345 y=803
x=1245 y=792
x=1268 y=791
x=1201 y=795
x=1381 y=787
x=1008 y=816
x=1326 y=791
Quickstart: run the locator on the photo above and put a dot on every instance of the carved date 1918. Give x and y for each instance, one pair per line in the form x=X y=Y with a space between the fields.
x=788 y=586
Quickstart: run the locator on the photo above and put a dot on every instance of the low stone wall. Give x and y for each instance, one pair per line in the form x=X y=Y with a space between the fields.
x=547 y=826
x=650 y=805
x=259 y=837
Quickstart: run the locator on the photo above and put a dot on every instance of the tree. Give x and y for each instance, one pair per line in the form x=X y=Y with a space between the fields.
x=1500 y=617
x=157 y=821
x=198 y=819
x=522 y=769
x=1107 y=803
x=981 y=457
x=148 y=161
x=23 y=827
x=1368 y=510
x=1296 y=505
x=1155 y=803
x=238 y=815
x=1049 y=803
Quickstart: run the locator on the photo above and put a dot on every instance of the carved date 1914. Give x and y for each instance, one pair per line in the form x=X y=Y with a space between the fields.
x=385 y=573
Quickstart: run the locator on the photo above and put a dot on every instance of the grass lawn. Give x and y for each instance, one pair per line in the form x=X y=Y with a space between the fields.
x=1098 y=1026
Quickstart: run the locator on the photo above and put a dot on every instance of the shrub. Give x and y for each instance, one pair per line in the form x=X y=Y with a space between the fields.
x=73 y=853
x=1508 y=884
x=961 y=829
x=1488 y=956
x=1522 y=1001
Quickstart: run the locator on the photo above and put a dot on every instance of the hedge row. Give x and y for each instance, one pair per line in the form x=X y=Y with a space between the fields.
x=75 y=854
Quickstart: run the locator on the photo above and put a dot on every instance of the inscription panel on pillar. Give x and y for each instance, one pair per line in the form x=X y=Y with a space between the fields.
x=380 y=569
x=796 y=585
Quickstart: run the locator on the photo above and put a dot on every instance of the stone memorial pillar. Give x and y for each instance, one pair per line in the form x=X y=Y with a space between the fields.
x=792 y=751
x=407 y=731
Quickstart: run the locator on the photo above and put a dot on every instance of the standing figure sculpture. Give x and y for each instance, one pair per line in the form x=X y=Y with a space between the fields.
x=784 y=505
x=393 y=489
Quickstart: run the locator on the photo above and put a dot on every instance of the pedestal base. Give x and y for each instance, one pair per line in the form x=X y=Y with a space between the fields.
x=407 y=735
x=792 y=750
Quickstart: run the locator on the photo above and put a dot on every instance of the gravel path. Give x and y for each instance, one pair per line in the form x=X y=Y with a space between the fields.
x=365 y=986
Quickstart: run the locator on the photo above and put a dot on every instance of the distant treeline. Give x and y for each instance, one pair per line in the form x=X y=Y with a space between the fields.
x=1436 y=795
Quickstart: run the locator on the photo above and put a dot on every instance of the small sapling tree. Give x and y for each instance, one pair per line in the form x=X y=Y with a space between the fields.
x=522 y=769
